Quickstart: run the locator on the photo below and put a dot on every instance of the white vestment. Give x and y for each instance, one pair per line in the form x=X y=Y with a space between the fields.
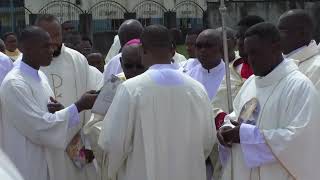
x=178 y=58
x=148 y=135
x=8 y=170
x=96 y=77
x=5 y=65
x=114 y=49
x=287 y=115
x=69 y=77
x=113 y=67
x=30 y=132
x=210 y=79
x=220 y=101
x=308 y=60
x=185 y=66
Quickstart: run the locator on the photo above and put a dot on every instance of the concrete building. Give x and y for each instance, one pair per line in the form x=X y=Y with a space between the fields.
x=108 y=15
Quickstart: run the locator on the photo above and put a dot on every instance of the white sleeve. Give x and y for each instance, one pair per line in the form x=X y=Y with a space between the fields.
x=5 y=66
x=38 y=125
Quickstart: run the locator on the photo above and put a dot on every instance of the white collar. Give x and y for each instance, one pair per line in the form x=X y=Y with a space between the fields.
x=164 y=66
x=25 y=68
x=303 y=53
x=213 y=70
x=282 y=70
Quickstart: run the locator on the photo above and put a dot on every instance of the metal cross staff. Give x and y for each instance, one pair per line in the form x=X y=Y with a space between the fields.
x=223 y=11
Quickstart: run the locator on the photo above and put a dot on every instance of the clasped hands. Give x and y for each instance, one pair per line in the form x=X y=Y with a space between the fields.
x=228 y=135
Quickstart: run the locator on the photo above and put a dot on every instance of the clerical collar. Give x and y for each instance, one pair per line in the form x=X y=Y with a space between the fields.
x=282 y=70
x=293 y=52
x=164 y=66
x=25 y=68
x=305 y=52
x=215 y=69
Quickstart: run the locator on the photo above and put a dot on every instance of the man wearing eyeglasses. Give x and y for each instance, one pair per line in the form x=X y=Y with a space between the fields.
x=297 y=29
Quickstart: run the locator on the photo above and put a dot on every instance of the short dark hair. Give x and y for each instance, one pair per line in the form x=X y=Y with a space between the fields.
x=5 y=36
x=250 y=20
x=265 y=31
x=30 y=33
x=46 y=17
x=156 y=36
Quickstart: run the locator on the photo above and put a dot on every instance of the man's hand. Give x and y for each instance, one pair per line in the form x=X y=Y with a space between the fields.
x=54 y=105
x=228 y=135
x=221 y=138
x=87 y=100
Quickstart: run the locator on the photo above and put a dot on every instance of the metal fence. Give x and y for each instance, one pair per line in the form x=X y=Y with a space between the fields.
x=13 y=19
x=107 y=15
x=150 y=12
x=63 y=10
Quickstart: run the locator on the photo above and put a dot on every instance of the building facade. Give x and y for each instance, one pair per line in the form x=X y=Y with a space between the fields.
x=107 y=15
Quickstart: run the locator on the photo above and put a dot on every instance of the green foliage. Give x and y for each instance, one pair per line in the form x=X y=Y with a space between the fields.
x=182 y=50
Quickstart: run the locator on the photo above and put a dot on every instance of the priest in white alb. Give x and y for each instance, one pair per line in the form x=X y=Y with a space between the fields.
x=272 y=132
x=69 y=77
x=190 y=43
x=129 y=29
x=132 y=66
x=34 y=123
x=154 y=128
x=297 y=32
x=211 y=69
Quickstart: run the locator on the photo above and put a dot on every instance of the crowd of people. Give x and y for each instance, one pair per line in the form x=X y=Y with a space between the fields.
x=152 y=114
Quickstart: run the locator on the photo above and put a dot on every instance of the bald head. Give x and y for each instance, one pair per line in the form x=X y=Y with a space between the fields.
x=212 y=36
x=131 y=61
x=209 y=48
x=296 y=28
x=130 y=29
x=298 y=18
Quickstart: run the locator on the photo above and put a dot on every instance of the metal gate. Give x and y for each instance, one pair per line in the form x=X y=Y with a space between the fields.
x=189 y=15
x=13 y=19
x=150 y=12
x=63 y=10
x=107 y=15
